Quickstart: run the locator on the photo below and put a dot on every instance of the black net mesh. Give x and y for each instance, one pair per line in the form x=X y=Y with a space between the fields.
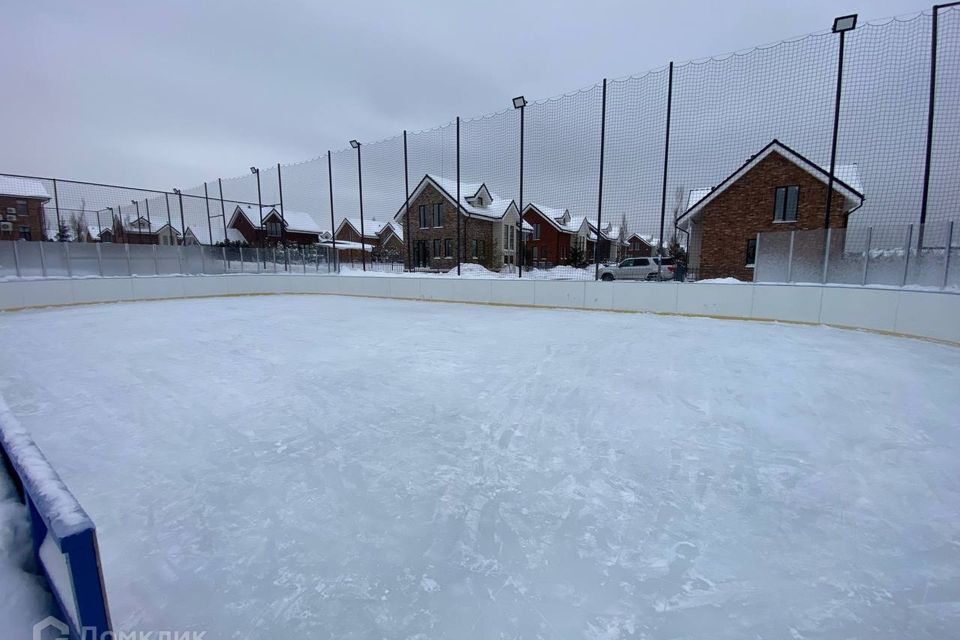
x=724 y=110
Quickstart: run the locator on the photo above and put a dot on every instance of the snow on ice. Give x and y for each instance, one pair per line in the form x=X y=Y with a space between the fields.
x=315 y=466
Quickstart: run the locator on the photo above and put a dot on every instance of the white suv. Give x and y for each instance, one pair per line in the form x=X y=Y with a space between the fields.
x=639 y=269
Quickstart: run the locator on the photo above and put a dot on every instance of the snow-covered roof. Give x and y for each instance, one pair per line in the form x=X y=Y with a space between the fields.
x=295 y=221
x=343 y=245
x=476 y=200
x=560 y=219
x=646 y=239
x=846 y=179
x=23 y=188
x=371 y=227
x=392 y=227
x=142 y=225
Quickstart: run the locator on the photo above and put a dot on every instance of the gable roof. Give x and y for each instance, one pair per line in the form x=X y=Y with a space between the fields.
x=23 y=188
x=559 y=219
x=371 y=228
x=647 y=240
x=391 y=227
x=495 y=209
x=295 y=221
x=846 y=179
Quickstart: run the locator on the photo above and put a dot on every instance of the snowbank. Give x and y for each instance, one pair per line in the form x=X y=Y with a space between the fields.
x=24 y=599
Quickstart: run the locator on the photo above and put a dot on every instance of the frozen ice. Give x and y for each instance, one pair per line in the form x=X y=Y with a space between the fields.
x=317 y=466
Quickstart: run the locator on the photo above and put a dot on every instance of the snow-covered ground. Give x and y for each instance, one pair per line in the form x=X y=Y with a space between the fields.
x=24 y=598
x=324 y=467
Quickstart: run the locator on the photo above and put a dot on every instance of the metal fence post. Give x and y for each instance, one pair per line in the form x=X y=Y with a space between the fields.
x=826 y=255
x=43 y=264
x=99 y=260
x=663 y=193
x=789 y=259
x=156 y=260
x=866 y=258
x=16 y=258
x=603 y=140
x=946 y=261
x=56 y=204
x=126 y=249
x=906 y=261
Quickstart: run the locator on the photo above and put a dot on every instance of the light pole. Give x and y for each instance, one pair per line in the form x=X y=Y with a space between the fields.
x=139 y=226
x=263 y=251
x=520 y=103
x=930 y=114
x=840 y=25
x=363 y=251
x=183 y=226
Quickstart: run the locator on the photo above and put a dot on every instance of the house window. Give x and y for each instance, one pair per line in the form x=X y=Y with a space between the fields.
x=506 y=236
x=25 y=233
x=21 y=207
x=438 y=215
x=785 y=204
x=475 y=249
x=422 y=213
x=447 y=248
x=274 y=229
x=751 y=252
x=512 y=237
x=436 y=248
x=536 y=231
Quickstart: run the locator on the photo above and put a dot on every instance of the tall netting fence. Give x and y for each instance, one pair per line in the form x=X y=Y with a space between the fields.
x=564 y=187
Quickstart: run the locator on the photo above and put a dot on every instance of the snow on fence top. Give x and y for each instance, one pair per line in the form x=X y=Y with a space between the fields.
x=62 y=512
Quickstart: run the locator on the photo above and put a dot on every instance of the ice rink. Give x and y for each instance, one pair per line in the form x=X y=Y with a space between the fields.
x=327 y=467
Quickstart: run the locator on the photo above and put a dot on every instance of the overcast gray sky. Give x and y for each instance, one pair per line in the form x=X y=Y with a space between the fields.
x=158 y=94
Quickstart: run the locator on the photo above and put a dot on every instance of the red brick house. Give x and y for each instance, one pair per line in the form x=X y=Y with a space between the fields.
x=21 y=208
x=488 y=231
x=775 y=190
x=348 y=238
x=390 y=245
x=639 y=246
x=295 y=227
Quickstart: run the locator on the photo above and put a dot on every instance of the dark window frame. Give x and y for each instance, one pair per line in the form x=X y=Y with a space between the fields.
x=751 y=253
x=24 y=233
x=436 y=247
x=781 y=203
x=274 y=229
x=438 y=216
x=23 y=208
x=422 y=216
x=447 y=248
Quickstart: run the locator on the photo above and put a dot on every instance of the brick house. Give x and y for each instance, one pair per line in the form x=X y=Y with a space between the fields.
x=349 y=242
x=21 y=208
x=639 y=246
x=488 y=229
x=390 y=245
x=775 y=190
x=296 y=227
x=553 y=233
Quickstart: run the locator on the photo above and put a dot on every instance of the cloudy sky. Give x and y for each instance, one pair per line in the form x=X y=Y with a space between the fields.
x=170 y=93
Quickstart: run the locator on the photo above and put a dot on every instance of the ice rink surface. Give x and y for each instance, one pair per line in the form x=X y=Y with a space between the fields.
x=326 y=467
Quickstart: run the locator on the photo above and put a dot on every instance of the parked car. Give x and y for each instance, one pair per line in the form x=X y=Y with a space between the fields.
x=639 y=269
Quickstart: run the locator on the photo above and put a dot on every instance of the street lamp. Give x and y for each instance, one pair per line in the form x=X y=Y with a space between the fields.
x=520 y=103
x=363 y=252
x=841 y=25
x=183 y=225
x=256 y=172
